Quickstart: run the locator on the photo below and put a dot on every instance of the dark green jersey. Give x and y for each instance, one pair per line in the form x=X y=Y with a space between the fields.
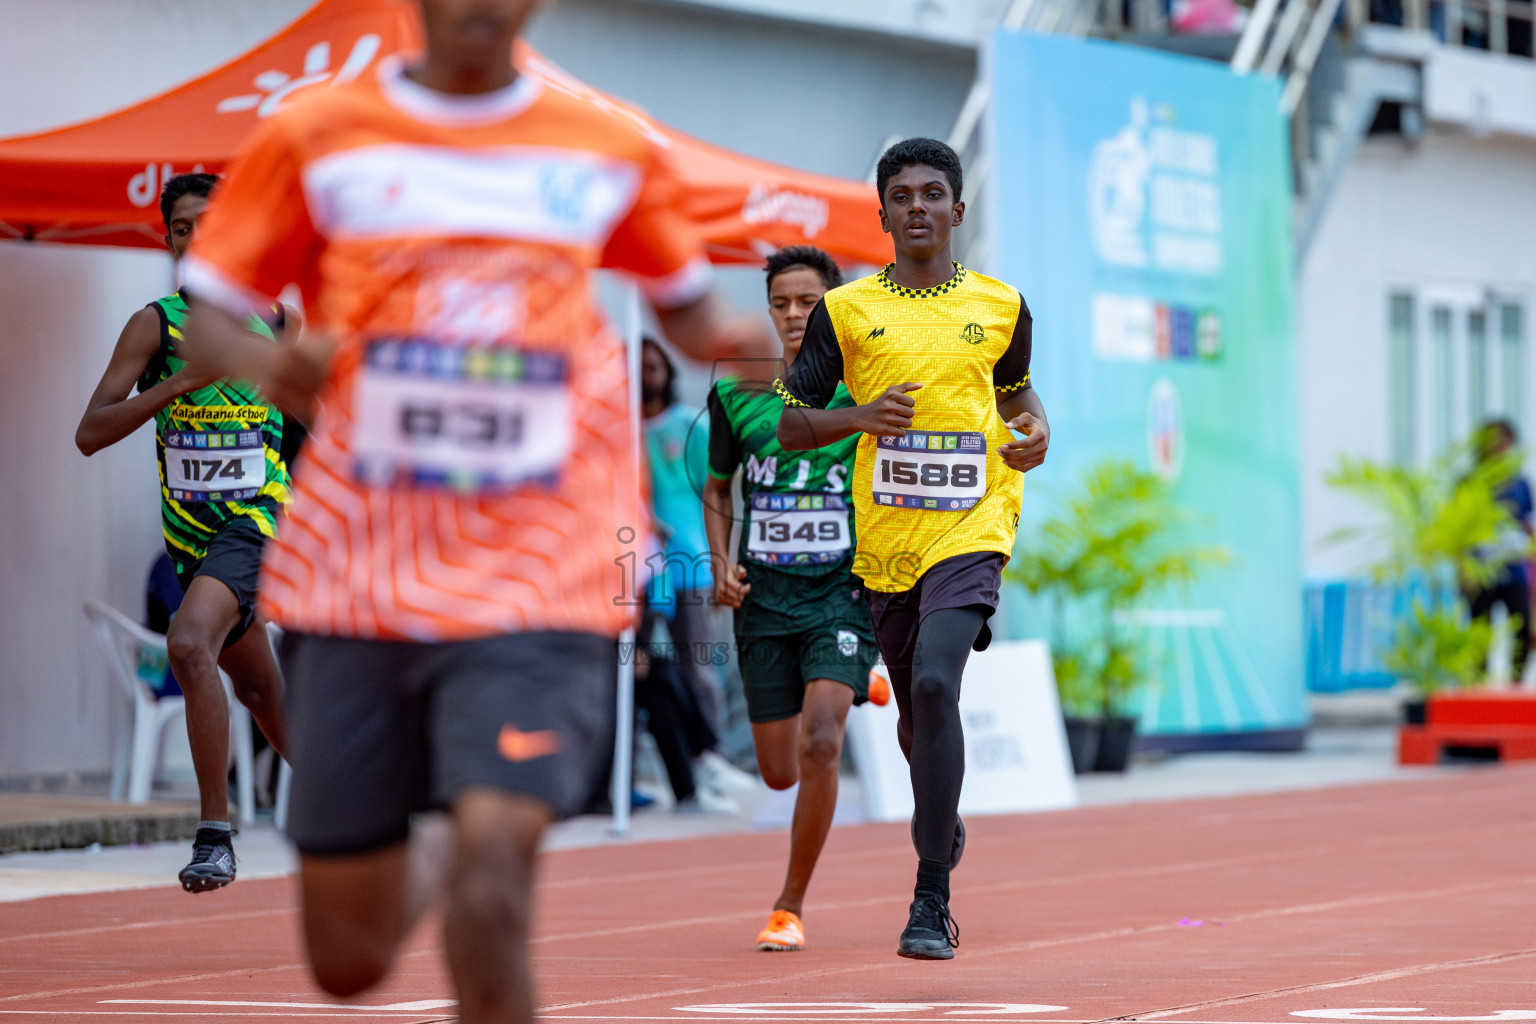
x=798 y=514
x=219 y=447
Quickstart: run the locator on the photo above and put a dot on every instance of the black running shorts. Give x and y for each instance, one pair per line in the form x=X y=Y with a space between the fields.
x=380 y=730
x=964 y=581
x=233 y=557
x=775 y=669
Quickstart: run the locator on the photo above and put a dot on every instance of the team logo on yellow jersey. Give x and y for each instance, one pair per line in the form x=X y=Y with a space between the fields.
x=974 y=333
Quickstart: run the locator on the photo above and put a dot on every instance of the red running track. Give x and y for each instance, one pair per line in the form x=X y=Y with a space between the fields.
x=1400 y=901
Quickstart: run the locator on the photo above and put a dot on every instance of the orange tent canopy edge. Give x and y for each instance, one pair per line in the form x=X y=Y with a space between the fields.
x=98 y=182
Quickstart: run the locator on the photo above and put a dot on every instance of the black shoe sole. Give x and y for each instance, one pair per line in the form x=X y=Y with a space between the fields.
x=945 y=952
x=193 y=882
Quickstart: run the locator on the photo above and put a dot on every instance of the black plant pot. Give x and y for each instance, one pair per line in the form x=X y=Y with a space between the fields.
x=1117 y=735
x=1415 y=711
x=1083 y=742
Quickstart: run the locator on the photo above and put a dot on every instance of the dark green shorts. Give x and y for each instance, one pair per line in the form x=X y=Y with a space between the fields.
x=775 y=668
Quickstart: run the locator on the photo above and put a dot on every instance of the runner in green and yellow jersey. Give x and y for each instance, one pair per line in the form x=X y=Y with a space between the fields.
x=803 y=636
x=222 y=483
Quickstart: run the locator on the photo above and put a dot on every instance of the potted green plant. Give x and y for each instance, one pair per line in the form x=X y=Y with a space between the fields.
x=1114 y=543
x=1443 y=526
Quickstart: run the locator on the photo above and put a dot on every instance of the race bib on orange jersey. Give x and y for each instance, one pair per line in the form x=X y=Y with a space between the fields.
x=474 y=420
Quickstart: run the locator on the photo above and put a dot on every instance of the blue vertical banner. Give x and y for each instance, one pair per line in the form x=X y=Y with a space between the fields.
x=1142 y=204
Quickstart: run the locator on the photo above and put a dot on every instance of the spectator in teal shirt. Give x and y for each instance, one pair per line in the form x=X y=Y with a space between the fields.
x=677 y=445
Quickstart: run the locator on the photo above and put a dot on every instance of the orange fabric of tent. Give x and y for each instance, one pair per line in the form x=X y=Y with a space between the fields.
x=98 y=182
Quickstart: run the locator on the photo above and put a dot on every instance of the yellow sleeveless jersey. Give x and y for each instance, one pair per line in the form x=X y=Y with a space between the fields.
x=942 y=490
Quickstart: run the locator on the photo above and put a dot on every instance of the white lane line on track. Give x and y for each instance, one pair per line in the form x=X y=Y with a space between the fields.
x=718 y=987
x=1324 y=986
x=413 y=1006
x=1067 y=940
x=103 y=929
x=203 y=1014
x=833 y=971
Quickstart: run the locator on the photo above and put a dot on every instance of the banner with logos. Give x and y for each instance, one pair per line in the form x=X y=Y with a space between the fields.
x=1142 y=204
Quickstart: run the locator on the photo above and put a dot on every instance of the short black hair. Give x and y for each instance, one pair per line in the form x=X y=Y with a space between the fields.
x=197 y=184
x=910 y=153
x=807 y=256
x=669 y=392
x=1501 y=425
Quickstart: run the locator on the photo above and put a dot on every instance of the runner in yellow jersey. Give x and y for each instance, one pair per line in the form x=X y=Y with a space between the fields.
x=936 y=356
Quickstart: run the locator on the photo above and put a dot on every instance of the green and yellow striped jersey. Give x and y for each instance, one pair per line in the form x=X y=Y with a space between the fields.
x=219 y=449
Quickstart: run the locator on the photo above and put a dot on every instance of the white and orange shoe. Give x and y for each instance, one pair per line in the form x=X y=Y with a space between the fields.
x=879 y=688
x=783 y=934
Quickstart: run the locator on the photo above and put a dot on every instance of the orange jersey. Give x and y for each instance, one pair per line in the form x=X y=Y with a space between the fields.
x=471 y=470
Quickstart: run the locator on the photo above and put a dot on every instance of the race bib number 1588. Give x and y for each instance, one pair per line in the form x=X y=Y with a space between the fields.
x=931 y=471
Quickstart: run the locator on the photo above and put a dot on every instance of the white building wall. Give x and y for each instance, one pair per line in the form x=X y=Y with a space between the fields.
x=71 y=527
x=1452 y=216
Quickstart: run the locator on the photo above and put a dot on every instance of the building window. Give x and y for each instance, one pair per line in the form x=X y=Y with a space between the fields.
x=1511 y=362
x=1477 y=367
x=1440 y=386
x=1404 y=380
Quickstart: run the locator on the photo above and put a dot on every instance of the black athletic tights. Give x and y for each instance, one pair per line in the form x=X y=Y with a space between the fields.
x=928 y=696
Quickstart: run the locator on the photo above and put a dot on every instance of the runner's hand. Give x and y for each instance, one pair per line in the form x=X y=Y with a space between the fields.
x=298 y=373
x=1026 y=454
x=891 y=414
x=187 y=380
x=732 y=587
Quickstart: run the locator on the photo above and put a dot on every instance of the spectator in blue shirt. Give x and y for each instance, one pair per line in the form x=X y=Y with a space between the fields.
x=1511 y=587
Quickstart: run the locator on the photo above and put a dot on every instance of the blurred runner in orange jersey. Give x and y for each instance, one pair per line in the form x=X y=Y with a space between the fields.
x=449 y=573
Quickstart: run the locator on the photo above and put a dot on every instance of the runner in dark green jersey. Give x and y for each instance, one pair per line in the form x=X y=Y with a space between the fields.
x=803 y=634
x=222 y=481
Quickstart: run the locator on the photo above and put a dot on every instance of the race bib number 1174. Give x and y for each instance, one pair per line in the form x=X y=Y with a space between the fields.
x=214 y=465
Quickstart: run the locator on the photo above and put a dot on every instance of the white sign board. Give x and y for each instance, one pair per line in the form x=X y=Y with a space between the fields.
x=1016 y=755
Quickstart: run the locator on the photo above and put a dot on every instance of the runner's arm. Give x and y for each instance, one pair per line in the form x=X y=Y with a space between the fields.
x=810 y=384
x=289 y=375
x=705 y=332
x=111 y=414
x=724 y=459
x=1017 y=401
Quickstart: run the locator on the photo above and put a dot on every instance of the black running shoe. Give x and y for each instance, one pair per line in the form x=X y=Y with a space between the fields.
x=931 y=933
x=956 y=849
x=213 y=861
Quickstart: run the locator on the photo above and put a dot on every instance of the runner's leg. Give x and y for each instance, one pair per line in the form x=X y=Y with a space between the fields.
x=490 y=903
x=257 y=682
x=778 y=757
x=359 y=908
x=820 y=750
x=208 y=612
x=938 y=741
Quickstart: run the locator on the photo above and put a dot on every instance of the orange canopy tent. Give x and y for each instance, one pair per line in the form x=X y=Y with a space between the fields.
x=98 y=182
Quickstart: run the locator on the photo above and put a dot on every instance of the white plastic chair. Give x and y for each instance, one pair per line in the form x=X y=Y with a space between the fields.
x=141 y=729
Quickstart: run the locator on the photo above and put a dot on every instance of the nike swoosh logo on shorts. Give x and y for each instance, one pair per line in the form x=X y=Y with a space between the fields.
x=516 y=745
